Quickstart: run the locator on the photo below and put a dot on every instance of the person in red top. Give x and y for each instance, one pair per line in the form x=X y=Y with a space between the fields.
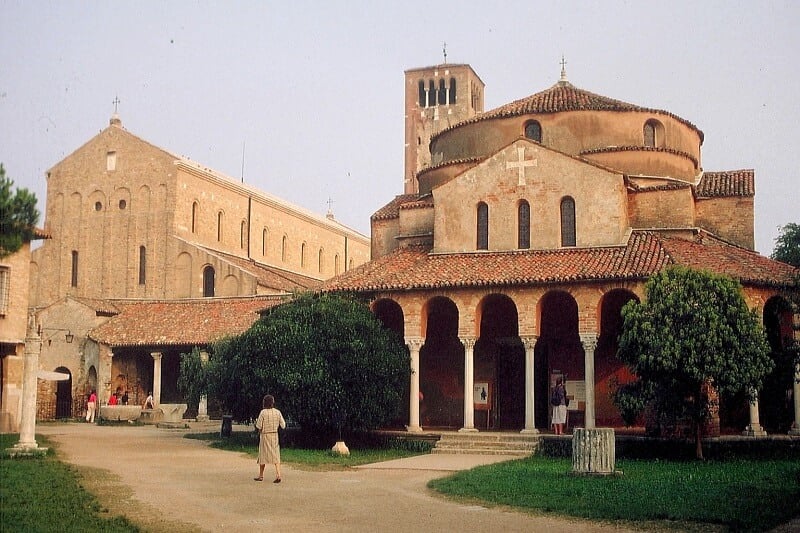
x=112 y=400
x=91 y=406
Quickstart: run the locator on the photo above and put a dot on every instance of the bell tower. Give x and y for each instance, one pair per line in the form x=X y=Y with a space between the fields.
x=437 y=97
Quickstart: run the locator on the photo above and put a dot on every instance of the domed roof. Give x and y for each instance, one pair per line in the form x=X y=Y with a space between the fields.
x=562 y=97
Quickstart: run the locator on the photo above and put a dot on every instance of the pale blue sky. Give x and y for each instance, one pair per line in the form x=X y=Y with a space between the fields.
x=313 y=91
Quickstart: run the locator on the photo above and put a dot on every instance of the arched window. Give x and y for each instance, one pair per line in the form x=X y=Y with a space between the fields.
x=283 y=249
x=142 y=265
x=442 y=92
x=524 y=225
x=320 y=260
x=74 y=276
x=264 y=242
x=302 y=255
x=452 y=95
x=219 y=226
x=431 y=93
x=336 y=264
x=194 y=217
x=243 y=234
x=653 y=133
x=568 y=222
x=422 y=102
x=208 y=282
x=483 y=226
x=533 y=131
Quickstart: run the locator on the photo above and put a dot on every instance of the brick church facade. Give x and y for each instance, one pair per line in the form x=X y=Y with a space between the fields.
x=521 y=233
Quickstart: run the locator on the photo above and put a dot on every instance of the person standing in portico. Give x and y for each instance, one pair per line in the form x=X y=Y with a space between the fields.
x=91 y=406
x=269 y=450
x=559 y=402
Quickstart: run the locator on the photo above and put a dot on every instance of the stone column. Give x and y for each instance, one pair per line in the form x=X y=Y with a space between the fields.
x=530 y=404
x=27 y=428
x=202 y=406
x=469 y=379
x=795 y=429
x=156 y=378
x=754 y=428
x=414 y=346
x=593 y=451
x=589 y=341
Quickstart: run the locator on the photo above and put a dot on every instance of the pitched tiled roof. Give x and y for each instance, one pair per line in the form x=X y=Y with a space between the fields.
x=561 y=97
x=392 y=209
x=644 y=254
x=180 y=322
x=614 y=149
x=728 y=183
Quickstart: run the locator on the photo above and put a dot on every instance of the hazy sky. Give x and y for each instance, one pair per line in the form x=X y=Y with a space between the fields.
x=312 y=92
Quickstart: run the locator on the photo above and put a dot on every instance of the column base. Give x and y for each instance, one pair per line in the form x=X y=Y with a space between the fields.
x=467 y=430
x=26 y=450
x=794 y=431
x=754 y=431
x=530 y=431
x=414 y=429
x=203 y=418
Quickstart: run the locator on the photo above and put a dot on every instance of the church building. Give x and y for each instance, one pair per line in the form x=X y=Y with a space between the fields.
x=524 y=230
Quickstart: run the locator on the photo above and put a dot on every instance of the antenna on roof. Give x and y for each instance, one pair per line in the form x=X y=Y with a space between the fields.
x=563 y=68
x=444 y=52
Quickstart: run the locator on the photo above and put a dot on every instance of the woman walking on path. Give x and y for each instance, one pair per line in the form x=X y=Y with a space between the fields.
x=269 y=450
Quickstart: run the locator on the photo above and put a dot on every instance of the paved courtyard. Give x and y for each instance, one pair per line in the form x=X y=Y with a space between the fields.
x=172 y=480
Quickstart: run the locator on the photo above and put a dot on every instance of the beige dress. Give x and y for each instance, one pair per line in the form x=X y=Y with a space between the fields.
x=267 y=423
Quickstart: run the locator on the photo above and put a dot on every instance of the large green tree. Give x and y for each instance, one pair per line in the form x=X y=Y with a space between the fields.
x=329 y=362
x=18 y=215
x=692 y=331
x=787 y=245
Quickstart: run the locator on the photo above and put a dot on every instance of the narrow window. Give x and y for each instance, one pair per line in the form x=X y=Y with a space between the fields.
x=219 y=226
x=194 y=217
x=5 y=289
x=483 y=226
x=74 y=277
x=302 y=255
x=243 y=234
x=422 y=101
x=142 y=264
x=568 y=222
x=524 y=225
x=111 y=161
x=283 y=249
x=264 y=242
x=98 y=206
x=320 y=260
x=533 y=131
x=431 y=93
x=649 y=134
x=208 y=282
x=442 y=92
x=452 y=95
x=336 y=264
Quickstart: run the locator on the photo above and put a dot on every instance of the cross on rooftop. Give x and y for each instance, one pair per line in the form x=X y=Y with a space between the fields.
x=116 y=103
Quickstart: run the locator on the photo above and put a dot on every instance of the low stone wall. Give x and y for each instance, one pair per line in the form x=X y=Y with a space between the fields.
x=120 y=413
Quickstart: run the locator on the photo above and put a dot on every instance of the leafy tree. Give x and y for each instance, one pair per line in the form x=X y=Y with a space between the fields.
x=328 y=361
x=787 y=245
x=693 y=331
x=18 y=215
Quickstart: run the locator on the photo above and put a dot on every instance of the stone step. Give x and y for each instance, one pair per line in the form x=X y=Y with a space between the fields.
x=487 y=444
x=475 y=451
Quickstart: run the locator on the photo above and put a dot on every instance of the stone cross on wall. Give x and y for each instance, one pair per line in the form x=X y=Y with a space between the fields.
x=521 y=164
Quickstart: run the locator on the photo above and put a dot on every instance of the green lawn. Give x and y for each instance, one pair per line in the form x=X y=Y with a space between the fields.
x=43 y=494
x=743 y=495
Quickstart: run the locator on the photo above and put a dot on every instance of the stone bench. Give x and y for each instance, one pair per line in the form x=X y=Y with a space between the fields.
x=120 y=413
x=165 y=415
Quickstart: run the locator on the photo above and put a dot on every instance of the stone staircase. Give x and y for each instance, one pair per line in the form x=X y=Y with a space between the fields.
x=487 y=443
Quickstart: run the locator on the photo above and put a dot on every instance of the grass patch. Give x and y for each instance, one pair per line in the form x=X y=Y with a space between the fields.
x=43 y=494
x=742 y=495
x=316 y=459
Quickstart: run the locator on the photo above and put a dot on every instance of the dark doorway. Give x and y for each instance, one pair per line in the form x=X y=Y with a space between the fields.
x=64 y=395
x=441 y=367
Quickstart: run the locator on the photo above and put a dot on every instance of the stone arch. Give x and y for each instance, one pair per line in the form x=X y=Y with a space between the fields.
x=209 y=280
x=230 y=286
x=183 y=275
x=558 y=349
x=500 y=360
x=441 y=367
x=64 y=394
x=390 y=315
x=609 y=371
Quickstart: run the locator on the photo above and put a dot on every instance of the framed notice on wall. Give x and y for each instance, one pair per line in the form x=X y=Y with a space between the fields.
x=576 y=392
x=482 y=395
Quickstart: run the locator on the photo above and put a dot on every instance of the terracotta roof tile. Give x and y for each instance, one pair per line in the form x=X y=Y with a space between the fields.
x=727 y=183
x=644 y=254
x=180 y=322
x=561 y=97
x=613 y=149
x=268 y=276
x=392 y=209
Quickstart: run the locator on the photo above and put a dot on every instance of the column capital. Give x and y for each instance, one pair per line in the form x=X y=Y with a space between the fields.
x=529 y=341
x=589 y=340
x=155 y=355
x=468 y=342
x=415 y=343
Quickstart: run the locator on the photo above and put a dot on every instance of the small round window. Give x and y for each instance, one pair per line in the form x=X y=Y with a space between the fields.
x=98 y=206
x=122 y=204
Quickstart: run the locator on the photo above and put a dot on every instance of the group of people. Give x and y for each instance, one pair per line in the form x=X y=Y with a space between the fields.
x=118 y=398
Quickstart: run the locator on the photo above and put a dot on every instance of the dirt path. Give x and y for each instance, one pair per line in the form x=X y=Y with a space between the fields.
x=168 y=483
